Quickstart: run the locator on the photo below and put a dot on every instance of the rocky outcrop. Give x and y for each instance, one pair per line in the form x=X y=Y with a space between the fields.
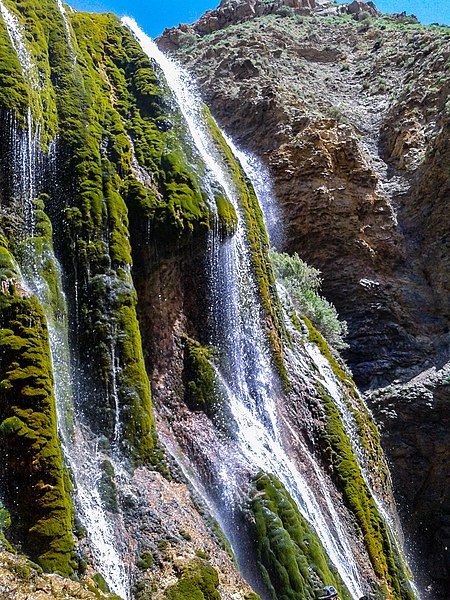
x=414 y=420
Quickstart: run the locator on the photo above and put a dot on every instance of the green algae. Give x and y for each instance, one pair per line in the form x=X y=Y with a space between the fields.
x=368 y=431
x=200 y=376
x=383 y=553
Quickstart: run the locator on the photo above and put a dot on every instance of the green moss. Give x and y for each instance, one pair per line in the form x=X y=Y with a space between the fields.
x=145 y=561
x=228 y=219
x=5 y=523
x=107 y=487
x=203 y=388
x=317 y=338
x=292 y=560
x=198 y=580
x=100 y=582
x=368 y=432
x=384 y=556
x=200 y=376
x=44 y=31
x=37 y=491
x=14 y=95
x=97 y=154
x=259 y=247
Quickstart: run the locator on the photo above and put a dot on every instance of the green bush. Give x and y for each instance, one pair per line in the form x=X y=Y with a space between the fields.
x=303 y=284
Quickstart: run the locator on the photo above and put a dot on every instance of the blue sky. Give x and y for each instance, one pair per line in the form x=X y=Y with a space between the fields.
x=156 y=15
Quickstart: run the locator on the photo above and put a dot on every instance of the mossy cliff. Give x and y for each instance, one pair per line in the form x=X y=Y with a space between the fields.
x=384 y=555
x=119 y=153
x=118 y=177
x=34 y=482
x=292 y=560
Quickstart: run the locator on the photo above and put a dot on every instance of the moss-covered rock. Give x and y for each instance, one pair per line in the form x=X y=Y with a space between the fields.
x=33 y=480
x=368 y=432
x=382 y=550
x=292 y=560
x=198 y=580
x=200 y=376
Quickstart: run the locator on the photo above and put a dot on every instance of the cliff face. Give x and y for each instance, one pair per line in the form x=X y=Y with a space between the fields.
x=172 y=423
x=348 y=108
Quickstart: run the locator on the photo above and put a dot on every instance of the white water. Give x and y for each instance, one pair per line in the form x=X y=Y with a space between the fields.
x=247 y=374
x=261 y=180
x=80 y=454
x=114 y=392
x=331 y=384
x=18 y=42
x=62 y=10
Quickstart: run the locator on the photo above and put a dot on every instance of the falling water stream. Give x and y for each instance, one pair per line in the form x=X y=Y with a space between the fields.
x=247 y=374
x=79 y=446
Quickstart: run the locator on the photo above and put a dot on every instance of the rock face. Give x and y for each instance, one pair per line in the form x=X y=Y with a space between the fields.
x=349 y=111
x=421 y=452
x=336 y=110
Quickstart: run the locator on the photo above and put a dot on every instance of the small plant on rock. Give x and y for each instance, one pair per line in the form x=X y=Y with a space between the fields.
x=303 y=284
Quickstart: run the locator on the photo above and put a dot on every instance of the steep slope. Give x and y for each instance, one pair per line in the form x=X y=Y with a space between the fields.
x=166 y=414
x=348 y=109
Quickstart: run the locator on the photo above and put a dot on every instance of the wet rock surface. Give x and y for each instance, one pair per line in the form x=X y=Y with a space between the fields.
x=171 y=530
x=421 y=455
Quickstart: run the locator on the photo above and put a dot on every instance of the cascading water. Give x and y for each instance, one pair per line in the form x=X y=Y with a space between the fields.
x=261 y=181
x=246 y=373
x=62 y=10
x=80 y=448
x=17 y=40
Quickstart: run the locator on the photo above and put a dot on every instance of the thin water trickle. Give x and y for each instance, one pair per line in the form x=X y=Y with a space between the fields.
x=62 y=10
x=16 y=36
x=114 y=392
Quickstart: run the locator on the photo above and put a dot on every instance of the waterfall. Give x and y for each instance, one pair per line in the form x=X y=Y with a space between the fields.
x=17 y=40
x=262 y=183
x=62 y=10
x=247 y=375
x=80 y=449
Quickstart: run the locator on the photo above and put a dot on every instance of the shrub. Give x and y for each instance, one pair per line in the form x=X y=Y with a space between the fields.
x=303 y=284
x=336 y=113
